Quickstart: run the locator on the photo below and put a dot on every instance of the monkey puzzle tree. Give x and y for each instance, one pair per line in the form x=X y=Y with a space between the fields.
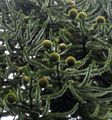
x=55 y=60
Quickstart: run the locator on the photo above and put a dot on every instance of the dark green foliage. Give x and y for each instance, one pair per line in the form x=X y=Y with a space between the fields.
x=56 y=88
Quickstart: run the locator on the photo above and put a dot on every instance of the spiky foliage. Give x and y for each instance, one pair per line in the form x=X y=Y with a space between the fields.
x=83 y=89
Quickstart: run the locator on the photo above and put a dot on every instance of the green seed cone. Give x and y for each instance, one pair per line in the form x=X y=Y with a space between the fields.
x=72 y=13
x=11 y=98
x=54 y=57
x=62 y=46
x=47 y=44
x=100 y=19
x=81 y=15
x=43 y=82
x=70 y=61
x=26 y=78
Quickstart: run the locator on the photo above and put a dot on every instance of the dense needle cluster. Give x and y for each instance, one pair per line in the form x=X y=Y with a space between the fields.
x=56 y=59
